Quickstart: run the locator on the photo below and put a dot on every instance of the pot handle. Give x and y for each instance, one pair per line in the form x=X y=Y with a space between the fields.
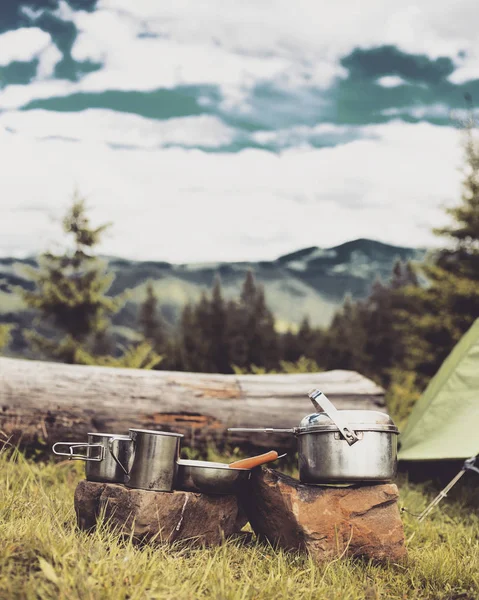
x=72 y=456
x=328 y=407
x=111 y=448
x=254 y=461
x=263 y=429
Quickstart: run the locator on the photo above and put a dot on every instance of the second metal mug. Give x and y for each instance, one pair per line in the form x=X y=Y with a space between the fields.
x=106 y=456
x=153 y=457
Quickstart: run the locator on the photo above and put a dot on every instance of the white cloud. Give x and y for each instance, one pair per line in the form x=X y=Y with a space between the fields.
x=23 y=44
x=48 y=59
x=303 y=135
x=110 y=127
x=390 y=81
x=430 y=111
x=237 y=45
x=188 y=205
x=309 y=37
x=184 y=204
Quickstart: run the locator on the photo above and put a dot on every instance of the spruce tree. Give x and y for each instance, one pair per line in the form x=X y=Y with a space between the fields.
x=441 y=312
x=188 y=339
x=345 y=340
x=461 y=257
x=291 y=348
x=236 y=336
x=381 y=346
x=411 y=275
x=151 y=322
x=307 y=339
x=219 y=327
x=262 y=340
x=70 y=291
x=4 y=336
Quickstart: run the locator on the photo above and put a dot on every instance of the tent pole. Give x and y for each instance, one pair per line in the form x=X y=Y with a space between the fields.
x=469 y=465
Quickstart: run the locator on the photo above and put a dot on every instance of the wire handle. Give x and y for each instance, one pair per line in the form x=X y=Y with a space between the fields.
x=111 y=441
x=72 y=456
x=325 y=405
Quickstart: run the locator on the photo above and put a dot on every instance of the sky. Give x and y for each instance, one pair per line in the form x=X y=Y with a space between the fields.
x=226 y=130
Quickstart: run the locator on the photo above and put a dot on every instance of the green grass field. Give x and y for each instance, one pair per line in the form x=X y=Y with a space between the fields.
x=43 y=555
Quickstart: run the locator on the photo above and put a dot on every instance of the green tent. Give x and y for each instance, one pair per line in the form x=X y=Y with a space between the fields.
x=444 y=424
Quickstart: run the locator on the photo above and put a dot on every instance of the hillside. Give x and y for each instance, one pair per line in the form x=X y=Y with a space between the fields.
x=312 y=282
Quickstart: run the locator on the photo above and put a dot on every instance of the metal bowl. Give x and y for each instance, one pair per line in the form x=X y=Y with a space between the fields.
x=210 y=477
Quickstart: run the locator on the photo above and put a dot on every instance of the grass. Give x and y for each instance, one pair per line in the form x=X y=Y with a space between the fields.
x=43 y=555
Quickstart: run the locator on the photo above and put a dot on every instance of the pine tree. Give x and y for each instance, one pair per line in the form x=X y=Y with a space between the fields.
x=219 y=327
x=187 y=338
x=204 y=338
x=411 y=275
x=151 y=322
x=291 y=348
x=345 y=340
x=307 y=339
x=4 y=336
x=262 y=341
x=461 y=258
x=193 y=337
x=70 y=291
x=236 y=336
x=440 y=313
x=381 y=347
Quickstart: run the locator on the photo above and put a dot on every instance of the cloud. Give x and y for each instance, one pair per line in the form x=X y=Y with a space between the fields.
x=158 y=45
x=300 y=69
x=390 y=81
x=300 y=105
x=119 y=129
x=187 y=205
x=22 y=45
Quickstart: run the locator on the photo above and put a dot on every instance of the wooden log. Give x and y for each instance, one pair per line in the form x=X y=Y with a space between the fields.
x=42 y=402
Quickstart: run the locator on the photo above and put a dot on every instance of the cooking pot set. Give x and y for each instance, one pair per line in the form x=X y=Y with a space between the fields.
x=149 y=460
x=334 y=446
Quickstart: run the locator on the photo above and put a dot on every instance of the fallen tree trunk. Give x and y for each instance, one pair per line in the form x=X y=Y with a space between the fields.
x=42 y=403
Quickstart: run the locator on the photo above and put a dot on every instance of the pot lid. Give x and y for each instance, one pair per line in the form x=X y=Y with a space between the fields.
x=358 y=420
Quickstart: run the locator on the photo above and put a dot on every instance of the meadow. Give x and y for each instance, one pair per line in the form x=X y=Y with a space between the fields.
x=44 y=556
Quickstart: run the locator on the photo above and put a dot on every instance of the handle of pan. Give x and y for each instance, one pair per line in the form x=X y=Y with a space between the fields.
x=325 y=405
x=262 y=429
x=72 y=456
x=111 y=449
x=254 y=461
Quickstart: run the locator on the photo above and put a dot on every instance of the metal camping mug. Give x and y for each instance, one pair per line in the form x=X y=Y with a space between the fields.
x=153 y=457
x=106 y=458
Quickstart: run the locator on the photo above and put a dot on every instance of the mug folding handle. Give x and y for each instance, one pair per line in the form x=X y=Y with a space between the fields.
x=111 y=448
x=71 y=454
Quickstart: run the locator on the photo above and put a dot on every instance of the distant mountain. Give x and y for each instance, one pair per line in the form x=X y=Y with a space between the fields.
x=311 y=282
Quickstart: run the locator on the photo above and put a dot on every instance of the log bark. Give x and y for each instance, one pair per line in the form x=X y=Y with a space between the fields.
x=42 y=403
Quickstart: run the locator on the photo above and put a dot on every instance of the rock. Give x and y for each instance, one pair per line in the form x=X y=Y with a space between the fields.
x=159 y=516
x=326 y=521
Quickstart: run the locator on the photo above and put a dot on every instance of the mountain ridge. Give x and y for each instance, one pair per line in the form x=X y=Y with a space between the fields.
x=309 y=282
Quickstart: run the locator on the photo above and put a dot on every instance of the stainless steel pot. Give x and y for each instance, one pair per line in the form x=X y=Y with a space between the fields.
x=106 y=456
x=152 y=464
x=345 y=446
x=210 y=477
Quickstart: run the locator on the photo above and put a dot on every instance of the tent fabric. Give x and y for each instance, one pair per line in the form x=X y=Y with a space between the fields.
x=444 y=423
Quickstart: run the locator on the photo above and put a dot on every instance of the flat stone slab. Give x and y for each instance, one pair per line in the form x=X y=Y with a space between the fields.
x=326 y=521
x=159 y=516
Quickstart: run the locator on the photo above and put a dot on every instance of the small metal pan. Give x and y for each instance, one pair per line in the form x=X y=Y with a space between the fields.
x=210 y=477
x=218 y=478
